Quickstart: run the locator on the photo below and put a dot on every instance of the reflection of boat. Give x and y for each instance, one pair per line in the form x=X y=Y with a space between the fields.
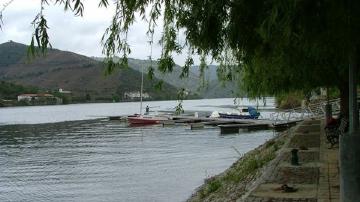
x=251 y=114
x=144 y=120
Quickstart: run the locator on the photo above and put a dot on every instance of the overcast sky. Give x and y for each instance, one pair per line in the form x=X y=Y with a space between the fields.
x=76 y=34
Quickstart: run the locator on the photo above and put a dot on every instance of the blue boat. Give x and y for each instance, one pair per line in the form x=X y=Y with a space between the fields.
x=252 y=114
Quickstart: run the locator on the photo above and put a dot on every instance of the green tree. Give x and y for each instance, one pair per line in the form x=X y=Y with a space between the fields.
x=87 y=97
x=115 y=98
x=11 y=90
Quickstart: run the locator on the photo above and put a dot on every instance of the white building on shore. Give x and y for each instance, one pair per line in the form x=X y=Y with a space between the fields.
x=30 y=97
x=135 y=95
x=39 y=98
x=64 y=91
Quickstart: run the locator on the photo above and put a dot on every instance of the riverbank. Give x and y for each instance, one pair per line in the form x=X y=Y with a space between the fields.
x=236 y=180
x=260 y=174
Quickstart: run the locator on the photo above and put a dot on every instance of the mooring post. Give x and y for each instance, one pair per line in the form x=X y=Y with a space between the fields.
x=294 y=157
x=328 y=107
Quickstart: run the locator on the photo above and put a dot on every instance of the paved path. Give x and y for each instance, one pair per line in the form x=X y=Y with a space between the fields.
x=329 y=185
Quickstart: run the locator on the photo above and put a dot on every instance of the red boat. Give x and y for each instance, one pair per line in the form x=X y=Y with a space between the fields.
x=146 y=120
x=139 y=119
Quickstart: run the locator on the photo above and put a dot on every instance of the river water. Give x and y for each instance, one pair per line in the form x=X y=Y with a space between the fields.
x=101 y=160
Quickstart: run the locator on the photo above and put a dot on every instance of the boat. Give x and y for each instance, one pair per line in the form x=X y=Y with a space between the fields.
x=250 y=113
x=140 y=119
x=146 y=120
x=237 y=116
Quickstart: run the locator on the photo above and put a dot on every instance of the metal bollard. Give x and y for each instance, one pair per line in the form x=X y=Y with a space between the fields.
x=294 y=157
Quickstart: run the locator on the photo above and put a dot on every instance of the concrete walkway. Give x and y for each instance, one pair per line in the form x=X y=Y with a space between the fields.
x=316 y=179
x=329 y=185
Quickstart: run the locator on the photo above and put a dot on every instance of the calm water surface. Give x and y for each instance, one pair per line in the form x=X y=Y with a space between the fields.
x=100 y=160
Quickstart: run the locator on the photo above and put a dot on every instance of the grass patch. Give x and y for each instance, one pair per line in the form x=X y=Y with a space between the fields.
x=212 y=185
x=250 y=164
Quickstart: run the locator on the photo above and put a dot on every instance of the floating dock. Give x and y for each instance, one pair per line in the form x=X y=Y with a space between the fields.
x=234 y=128
x=284 y=125
x=226 y=126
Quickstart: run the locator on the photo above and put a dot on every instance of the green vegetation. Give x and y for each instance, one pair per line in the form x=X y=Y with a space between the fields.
x=250 y=164
x=88 y=97
x=11 y=53
x=334 y=93
x=289 y=100
x=212 y=186
x=10 y=91
x=294 y=99
x=66 y=99
x=239 y=174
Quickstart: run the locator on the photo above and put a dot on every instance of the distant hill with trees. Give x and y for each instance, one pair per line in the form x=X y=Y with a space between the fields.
x=81 y=75
x=212 y=88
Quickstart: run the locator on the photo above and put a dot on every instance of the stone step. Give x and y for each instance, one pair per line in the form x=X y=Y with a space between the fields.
x=272 y=192
x=305 y=173
x=305 y=156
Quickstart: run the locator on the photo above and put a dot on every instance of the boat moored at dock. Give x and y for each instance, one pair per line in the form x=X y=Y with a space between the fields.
x=245 y=113
x=146 y=120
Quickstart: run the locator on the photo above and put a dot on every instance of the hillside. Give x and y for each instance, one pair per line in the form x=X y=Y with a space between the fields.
x=216 y=88
x=79 y=74
x=213 y=89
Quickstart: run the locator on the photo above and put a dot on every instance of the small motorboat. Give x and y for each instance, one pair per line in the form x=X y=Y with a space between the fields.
x=249 y=113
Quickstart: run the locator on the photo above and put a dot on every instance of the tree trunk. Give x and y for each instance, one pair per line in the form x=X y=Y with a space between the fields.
x=344 y=99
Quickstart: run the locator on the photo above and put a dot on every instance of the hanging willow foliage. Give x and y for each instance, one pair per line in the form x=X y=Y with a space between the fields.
x=272 y=46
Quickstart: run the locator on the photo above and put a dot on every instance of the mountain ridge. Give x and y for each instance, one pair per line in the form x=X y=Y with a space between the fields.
x=85 y=75
x=70 y=71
